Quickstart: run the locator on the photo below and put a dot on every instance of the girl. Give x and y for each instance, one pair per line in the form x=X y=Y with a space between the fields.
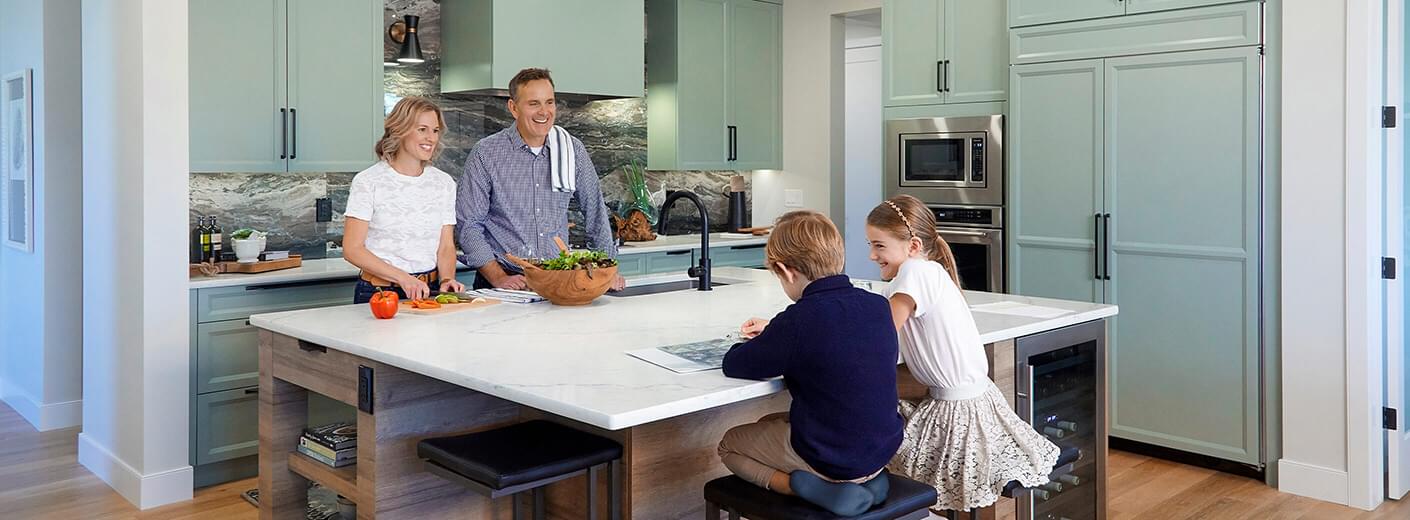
x=400 y=224
x=963 y=439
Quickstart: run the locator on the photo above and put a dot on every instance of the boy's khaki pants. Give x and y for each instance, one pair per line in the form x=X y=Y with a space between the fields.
x=755 y=451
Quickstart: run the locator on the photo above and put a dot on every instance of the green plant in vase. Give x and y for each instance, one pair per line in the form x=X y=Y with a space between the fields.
x=641 y=199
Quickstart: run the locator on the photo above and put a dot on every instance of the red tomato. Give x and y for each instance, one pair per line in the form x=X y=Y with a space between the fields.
x=384 y=304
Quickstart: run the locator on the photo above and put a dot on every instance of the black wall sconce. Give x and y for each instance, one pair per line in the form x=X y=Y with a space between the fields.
x=404 y=33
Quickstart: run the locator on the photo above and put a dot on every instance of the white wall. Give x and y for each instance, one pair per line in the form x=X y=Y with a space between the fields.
x=812 y=145
x=1313 y=288
x=863 y=150
x=42 y=339
x=135 y=154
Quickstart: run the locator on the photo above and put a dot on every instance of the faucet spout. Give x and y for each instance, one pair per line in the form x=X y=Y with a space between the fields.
x=701 y=272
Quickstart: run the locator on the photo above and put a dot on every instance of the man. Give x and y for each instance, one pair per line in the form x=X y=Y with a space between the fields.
x=511 y=202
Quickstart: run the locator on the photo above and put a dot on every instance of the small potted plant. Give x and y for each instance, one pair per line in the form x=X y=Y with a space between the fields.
x=248 y=244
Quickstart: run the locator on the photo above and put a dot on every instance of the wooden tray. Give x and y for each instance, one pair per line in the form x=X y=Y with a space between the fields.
x=446 y=308
x=261 y=266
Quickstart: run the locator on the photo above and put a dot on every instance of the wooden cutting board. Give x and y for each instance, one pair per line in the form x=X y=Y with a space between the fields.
x=261 y=266
x=446 y=308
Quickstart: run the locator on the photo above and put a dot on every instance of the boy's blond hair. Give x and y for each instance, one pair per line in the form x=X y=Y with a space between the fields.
x=806 y=242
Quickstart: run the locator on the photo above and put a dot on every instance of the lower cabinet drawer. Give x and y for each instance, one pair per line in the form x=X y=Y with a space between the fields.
x=737 y=256
x=226 y=425
x=631 y=265
x=670 y=261
x=230 y=303
x=227 y=356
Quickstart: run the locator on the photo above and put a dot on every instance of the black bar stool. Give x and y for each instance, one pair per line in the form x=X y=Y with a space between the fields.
x=525 y=457
x=907 y=500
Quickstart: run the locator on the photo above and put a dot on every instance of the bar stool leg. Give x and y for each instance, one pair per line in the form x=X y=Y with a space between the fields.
x=614 y=490
x=712 y=511
x=733 y=515
x=538 y=503
x=514 y=500
x=592 y=491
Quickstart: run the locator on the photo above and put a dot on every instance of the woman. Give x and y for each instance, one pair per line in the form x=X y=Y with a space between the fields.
x=400 y=224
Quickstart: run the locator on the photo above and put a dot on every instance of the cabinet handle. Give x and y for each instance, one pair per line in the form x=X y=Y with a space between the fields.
x=284 y=133
x=1097 y=249
x=750 y=246
x=940 y=76
x=675 y=253
x=310 y=347
x=1106 y=251
x=732 y=153
x=249 y=391
x=294 y=135
x=947 y=75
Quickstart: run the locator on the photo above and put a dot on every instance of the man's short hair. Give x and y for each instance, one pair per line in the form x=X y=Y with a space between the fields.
x=525 y=76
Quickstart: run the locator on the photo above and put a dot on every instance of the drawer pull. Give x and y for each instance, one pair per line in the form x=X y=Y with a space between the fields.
x=751 y=246
x=306 y=283
x=310 y=347
x=674 y=253
x=249 y=391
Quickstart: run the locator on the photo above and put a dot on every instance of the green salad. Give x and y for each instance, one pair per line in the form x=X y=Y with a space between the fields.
x=569 y=260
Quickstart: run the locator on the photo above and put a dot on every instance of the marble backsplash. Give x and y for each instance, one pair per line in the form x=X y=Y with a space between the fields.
x=613 y=131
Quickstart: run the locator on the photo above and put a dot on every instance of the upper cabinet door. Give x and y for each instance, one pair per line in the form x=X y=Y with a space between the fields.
x=977 y=51
x=1146 y=6
x=1055 y=179
x=755 y=77
x=335 y=84
x=913 y=49
x=1033 y=12
x=237 y=86
x=702 y=85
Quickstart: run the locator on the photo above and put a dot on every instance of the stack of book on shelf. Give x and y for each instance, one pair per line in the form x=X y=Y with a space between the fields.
x=332 y=444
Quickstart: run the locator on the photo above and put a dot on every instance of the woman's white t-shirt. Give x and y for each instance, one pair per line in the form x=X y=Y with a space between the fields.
x=940 y=342
x=404 y=214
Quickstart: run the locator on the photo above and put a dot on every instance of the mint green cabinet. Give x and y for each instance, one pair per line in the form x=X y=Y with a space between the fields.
x=1165 y=148
x=1056 y=179
x=943 y=51
x=226 y=425
x=593 y=48
x=279 y=85
x=714 y=85
x=737 y=256
x=1034 y=12
x=1182 y=161
x=237 y=86
x=335 y=84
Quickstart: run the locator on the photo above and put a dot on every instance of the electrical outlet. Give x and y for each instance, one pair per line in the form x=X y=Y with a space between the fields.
x=323 y=210
x=793 y=198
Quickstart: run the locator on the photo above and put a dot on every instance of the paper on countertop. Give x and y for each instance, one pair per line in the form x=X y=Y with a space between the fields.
x=685 y=358
x=1020 y=309
x=508 y=295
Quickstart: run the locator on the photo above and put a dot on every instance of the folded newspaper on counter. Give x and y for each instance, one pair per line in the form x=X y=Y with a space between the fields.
x=508 y=295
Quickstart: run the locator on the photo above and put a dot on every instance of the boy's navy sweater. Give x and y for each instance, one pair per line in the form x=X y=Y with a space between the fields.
x=836 y=350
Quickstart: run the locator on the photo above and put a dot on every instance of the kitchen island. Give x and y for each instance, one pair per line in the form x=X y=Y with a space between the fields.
x=419 y=376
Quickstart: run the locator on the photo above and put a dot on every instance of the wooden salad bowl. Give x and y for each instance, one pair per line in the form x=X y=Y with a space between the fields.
x=575 y=287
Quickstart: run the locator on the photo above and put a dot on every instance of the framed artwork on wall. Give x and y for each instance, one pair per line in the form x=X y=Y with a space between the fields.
x=17 y=161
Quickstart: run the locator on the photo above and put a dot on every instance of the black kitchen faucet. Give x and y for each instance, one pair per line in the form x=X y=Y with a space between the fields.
x=700 y=272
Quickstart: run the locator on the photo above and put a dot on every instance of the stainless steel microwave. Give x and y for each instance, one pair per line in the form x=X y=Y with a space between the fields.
x=946 y=160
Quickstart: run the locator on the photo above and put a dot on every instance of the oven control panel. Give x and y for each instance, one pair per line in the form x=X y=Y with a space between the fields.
x=976 y=151
x=970 y=216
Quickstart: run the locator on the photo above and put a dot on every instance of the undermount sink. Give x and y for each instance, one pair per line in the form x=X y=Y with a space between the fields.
x=657 y=288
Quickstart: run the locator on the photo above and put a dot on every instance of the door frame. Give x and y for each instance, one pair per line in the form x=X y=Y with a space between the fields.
x=1397 y=473
x=1363 y=299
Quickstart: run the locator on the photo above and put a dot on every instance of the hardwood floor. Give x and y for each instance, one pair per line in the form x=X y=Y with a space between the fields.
x=40 y=478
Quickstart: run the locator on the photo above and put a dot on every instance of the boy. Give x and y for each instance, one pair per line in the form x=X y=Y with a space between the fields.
x=836 y=350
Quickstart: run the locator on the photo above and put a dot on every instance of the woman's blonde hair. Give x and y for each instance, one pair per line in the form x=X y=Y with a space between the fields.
x=807 y=242
x=402 y=121
x=906 y=217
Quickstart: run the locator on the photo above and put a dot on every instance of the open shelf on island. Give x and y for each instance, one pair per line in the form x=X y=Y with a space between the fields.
x=342 y=481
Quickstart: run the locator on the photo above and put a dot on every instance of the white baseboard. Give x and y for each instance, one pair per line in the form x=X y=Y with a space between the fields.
x=144 y=491
x=1325 y=484
x=44 y=417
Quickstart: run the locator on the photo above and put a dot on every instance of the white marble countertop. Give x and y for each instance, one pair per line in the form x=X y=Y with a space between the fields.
x=333 y=268
x=571 y=361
